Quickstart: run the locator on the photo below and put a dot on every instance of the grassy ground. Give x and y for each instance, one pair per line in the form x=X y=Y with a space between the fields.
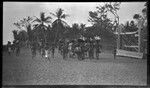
x=40 y=71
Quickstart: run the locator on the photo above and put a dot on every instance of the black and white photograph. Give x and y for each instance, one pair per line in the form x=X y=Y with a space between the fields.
x=74 y=43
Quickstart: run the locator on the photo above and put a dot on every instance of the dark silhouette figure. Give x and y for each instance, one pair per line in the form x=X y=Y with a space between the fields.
x=33 y=49
x=46 y=51
x=53 y=50
x=115 y=51
x=65 y=50
x=91 y=51
x=9 y=47
x=17 y=48
x=13 y=47
x=98 y=49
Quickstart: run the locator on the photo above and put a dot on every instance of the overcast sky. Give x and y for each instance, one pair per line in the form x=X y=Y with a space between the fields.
x=78 y=12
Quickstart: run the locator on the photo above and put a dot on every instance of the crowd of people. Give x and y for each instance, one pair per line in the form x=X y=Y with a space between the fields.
x=80 y=48
x=13 y=48
x=76 y=48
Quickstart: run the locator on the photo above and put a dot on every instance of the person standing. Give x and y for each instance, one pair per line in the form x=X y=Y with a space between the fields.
x=40 y=48
x=115 y=51
x=13 y=47
x=17 y=48
x=65 y=50
x=9 y=47
x=98 y=49
x=91 y=51
x=46 y=50
x=53 y=50
x=33 y=49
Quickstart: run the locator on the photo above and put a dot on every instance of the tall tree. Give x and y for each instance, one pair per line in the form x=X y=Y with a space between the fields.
x=142 y=28
x=113 y=8
x=103 y=25
x=41 y=27
x=25 y=24
x=58 y=26
x=76 y=30
x=82 y=29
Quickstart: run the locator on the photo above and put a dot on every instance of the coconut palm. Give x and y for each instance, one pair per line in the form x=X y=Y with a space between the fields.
x=59 y=26
x=25 y=23
x=42 y=20
x=82 y=29
x=49 y=35
x=41 y=25
x=75 y=31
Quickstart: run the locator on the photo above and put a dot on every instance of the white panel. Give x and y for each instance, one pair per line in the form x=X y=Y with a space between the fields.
x=129 y=53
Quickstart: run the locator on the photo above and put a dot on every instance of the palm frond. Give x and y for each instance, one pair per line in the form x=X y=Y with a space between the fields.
x=53 y=14
x=47 y=18
x=64 y=23
x=35 y=25
x=29 y=18
x=37 y=20
x=64 y=16
x=48 y=21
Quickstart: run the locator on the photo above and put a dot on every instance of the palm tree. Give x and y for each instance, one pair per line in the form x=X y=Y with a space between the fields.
x=82 y=29
x=50 y=34
x=59 y=25
x=75 y=31
x=41 y=26
x=102 y=25
x=43 y=20
x=26 y=24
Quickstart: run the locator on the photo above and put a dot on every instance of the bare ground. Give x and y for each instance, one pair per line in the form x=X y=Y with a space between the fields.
x=24 y=70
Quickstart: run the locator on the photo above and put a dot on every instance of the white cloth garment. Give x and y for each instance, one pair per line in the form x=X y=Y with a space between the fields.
x=46 y=53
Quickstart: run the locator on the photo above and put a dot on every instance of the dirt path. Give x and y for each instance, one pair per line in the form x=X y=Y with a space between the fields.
x=106 y=71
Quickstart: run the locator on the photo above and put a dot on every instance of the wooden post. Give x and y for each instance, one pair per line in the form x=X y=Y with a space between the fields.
x=118 y=31
x=139 y=40
x=139 y=33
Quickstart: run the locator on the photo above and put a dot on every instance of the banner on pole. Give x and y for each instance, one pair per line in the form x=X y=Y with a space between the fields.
x=129 y=54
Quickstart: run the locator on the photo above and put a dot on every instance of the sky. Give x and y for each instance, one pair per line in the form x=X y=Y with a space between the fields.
x=78 y=12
